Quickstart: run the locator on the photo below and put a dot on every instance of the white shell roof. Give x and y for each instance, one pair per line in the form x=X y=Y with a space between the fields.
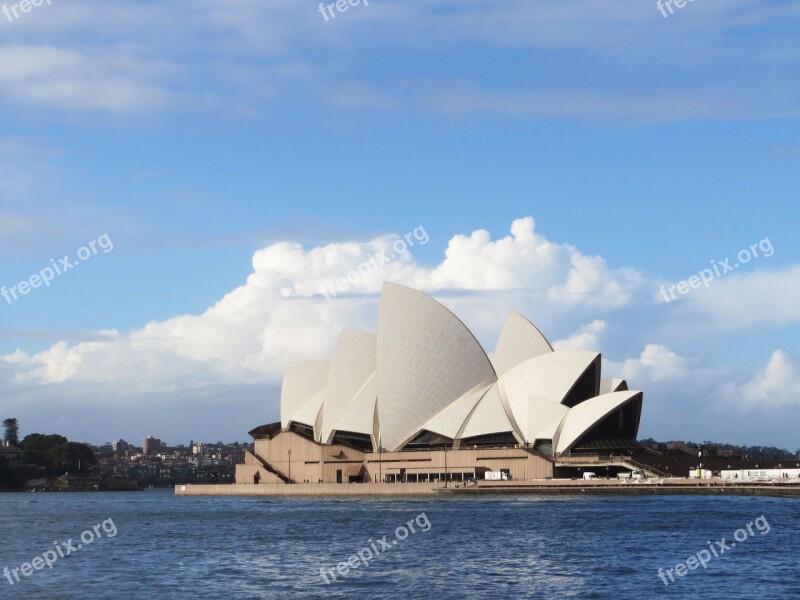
x=489 y=416
x=352 y=364
x=424 y=370
x=613 y=385
x=427 y=359
x=451 y=419
x=519 y=341
x=586 y=415
x=548 y=377
x=359 y=414
x=301 y=382
x=544 y=417
x=311 y=412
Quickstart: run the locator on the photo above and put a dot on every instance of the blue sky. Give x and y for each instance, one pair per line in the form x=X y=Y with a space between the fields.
x=205 y=138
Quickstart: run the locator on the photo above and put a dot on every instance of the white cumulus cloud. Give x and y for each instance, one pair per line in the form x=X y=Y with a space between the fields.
x=280 y=312
x=776 y=385
x=586 y=338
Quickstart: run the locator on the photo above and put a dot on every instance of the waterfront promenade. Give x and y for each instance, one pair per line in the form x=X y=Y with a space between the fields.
x=676 y=486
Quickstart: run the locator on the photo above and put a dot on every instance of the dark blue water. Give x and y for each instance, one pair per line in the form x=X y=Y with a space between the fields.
x=502 y=547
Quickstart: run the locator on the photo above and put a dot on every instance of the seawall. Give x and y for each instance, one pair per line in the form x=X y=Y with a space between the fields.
x=552 y=487
x=308 y=489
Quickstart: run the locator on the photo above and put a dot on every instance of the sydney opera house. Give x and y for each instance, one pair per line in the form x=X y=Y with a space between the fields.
x=421 y=401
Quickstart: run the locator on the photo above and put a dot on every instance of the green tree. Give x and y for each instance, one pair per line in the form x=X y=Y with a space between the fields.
x=72 y=457
x=12 y=431
x=35 y=448
x=37 y=442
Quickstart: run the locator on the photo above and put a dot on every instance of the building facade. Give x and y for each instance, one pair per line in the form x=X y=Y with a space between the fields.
x=151 y=445
x=9 y=453
x=119 y=446
x=399 y=404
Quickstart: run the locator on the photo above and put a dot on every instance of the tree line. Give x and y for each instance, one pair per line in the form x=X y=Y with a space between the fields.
x=42 y=456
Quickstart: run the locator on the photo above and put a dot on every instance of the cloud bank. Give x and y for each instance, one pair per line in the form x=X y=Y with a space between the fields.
x=235 y=351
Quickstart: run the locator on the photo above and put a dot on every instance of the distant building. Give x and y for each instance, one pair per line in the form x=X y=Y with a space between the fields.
x=9 y=452
x=119 y=446
x=151 y=445
x=683 y=448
